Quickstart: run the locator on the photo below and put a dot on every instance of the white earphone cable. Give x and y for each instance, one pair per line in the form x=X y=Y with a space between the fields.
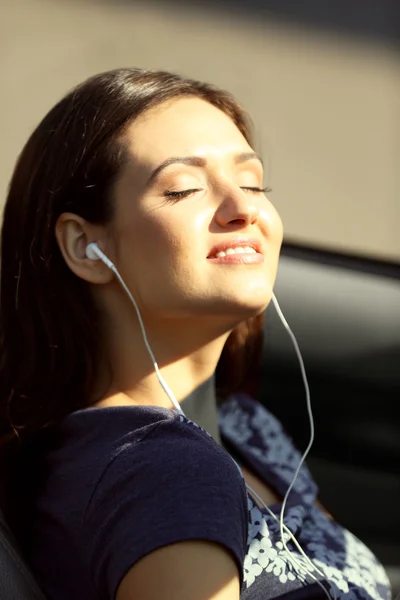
x=93 y=248
x=307 y=451
x=161 y=379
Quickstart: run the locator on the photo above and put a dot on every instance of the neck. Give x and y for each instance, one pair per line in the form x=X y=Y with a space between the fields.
x=186 y=353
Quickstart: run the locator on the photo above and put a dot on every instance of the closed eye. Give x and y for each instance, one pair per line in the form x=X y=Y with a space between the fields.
x=256 y=190
x=180 y=194
x=184 y=193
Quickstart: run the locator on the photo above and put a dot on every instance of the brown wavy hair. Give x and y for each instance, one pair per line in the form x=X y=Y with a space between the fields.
x=49 y=328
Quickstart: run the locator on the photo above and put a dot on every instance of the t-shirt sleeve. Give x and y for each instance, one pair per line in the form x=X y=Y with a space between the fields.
x=176 y=484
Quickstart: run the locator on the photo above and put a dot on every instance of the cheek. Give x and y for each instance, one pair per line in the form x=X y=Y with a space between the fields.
x=274 y=232
x=152 y=248
x=175 y=233
x=272 y=220
x=279 y=227
x=152 y=243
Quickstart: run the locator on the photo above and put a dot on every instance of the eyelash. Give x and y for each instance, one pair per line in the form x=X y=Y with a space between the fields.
x=184 y=193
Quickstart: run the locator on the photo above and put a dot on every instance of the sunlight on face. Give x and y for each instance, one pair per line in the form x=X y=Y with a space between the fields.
x=189 y=196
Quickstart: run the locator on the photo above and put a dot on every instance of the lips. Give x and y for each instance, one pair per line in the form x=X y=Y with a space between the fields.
x=235 y=243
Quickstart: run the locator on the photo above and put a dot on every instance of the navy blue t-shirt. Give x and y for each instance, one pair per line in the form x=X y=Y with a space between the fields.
x=124 y=481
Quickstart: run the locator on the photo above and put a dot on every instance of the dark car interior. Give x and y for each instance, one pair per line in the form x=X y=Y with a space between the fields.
x=345 y=313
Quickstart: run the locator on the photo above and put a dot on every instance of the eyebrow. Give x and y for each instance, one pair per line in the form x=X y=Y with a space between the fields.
x=198 y=161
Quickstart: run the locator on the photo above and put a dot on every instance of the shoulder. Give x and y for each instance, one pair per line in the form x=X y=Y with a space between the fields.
x=94 y=445
x=125 y=483
x=164 y=448
x=164 y=482
x=168 y=454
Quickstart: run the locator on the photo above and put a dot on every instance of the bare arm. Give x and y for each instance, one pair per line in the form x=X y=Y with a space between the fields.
x=192 y=570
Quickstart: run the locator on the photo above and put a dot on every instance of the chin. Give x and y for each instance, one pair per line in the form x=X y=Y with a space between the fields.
x=253 y=301
x=240 y=311
x=254 y=311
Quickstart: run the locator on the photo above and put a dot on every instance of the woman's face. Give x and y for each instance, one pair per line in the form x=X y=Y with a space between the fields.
x=188 y=193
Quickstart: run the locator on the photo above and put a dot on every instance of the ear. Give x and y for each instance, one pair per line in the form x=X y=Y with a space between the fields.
x=73 y=234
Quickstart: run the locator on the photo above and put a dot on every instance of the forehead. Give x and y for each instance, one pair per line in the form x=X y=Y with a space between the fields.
x=183 y=126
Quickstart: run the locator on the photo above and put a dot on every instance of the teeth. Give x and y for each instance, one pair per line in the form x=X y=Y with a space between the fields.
x=237 y=250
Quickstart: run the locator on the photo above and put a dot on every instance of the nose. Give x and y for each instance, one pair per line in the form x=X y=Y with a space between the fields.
x=238 y=208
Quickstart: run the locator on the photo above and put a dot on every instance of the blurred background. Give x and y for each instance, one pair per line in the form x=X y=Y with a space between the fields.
x=321 y=80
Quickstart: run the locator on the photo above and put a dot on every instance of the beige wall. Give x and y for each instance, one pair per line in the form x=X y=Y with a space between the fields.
x=326 y=108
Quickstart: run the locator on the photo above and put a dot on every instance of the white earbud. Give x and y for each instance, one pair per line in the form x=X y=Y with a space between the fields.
x=94 y=253
x=91 y=251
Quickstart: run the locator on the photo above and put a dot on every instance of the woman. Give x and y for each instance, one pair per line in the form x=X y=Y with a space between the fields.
x=123 y=496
